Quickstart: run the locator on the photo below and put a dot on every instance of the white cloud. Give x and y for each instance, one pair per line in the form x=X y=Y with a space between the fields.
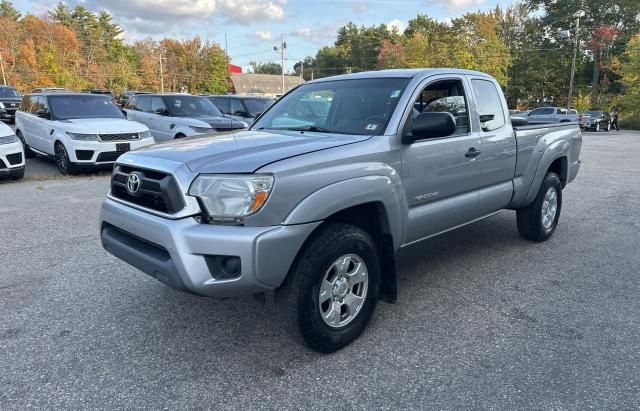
x=155 y=17
x=399 y=25
x=320 y=35
x=264 y=35
x=457 y=5
x=360 y=7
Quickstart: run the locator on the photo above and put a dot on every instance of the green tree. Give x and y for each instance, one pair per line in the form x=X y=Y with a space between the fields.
x=628 y=69
x=265 y=68
x=7 y=10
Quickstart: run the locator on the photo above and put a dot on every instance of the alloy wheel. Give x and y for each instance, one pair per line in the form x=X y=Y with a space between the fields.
x=343 y=290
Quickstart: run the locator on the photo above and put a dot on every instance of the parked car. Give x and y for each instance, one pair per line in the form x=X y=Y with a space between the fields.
x=12 y=161
x=9 y=101
x=50 y=90
x=241 y=108
x=123 y=98
x=171 y=116
x=317 y=211
x=543 y=115
x=78 y=130
x=595 y=120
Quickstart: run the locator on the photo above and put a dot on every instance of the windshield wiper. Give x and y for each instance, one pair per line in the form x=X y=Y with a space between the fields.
x=310 y=128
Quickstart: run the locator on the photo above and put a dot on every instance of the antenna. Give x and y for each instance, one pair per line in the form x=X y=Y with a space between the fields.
x=228 y=79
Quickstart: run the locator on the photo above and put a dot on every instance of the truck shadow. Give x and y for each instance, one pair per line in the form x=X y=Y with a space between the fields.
x=243 y=330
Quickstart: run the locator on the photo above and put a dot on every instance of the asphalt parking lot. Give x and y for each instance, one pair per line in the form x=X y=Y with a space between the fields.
x=484 y=319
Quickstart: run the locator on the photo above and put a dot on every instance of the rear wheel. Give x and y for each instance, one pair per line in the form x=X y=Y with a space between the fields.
x=27 y=151
x=538 y=220
x=332 y=289
x=65 y=166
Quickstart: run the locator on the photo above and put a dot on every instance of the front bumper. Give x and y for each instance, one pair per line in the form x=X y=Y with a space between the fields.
x=11 y=158
x=177 y=252
x=100 y=152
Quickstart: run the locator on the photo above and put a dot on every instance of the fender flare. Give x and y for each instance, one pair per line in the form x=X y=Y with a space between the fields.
x=552 y=153
x=349 y=193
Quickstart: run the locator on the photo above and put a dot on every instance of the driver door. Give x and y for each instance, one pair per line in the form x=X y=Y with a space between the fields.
x=442 y=176
x=160 y=120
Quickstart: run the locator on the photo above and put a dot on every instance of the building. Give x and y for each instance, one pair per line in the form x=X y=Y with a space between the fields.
x=263 y=85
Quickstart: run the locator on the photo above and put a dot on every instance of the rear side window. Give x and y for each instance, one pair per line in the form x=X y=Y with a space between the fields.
x=489 y=105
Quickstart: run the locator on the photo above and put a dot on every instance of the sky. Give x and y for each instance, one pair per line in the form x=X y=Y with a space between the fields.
x=254 y=27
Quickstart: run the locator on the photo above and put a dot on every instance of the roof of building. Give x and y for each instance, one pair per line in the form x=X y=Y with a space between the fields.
x=262 y=84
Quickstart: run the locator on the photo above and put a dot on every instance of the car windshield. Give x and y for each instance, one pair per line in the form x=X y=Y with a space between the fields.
x=9 y=92
x=69 y=106
x=257 y=105
x=358 y=106
x=190 y=106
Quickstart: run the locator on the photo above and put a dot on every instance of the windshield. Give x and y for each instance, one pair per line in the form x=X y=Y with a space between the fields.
x=190 y=106
x=68 y=106
x=9 y=92
x=257 y=105
x=358 y=106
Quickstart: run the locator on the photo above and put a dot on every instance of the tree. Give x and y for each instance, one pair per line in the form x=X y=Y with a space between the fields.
x=8 y=11
x=628 y=69
x=266 y=68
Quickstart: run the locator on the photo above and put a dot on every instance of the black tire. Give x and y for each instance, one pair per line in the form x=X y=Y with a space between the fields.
x=64 y=164
x=27 y=151
x=608 y=127
x=596 y=128
x=298 y=300
x=530 y=218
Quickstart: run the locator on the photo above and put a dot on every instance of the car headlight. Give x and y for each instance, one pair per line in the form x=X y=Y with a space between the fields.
x=226 y=196
x=145 y=134
x=83 y=137
x=11 y=138
x=201 y=130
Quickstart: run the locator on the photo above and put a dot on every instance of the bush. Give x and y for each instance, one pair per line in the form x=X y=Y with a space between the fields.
x=629 y=122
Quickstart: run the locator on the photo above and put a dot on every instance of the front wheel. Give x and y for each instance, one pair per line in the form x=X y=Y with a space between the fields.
x=332 y=289
x=538 y=220
x=597 y=127
x=65 y=166
x=608 y=126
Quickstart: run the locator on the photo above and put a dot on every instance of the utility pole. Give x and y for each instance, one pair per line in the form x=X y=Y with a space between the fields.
x=4 y=79
x=301 y=72
x=283 y=46
x=161 y=75
x=575 y=53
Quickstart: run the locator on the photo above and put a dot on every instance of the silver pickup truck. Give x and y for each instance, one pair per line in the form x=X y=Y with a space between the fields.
x=310 y=207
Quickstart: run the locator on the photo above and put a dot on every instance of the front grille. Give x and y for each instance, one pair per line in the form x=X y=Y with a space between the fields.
x=108 y=156
x=15 y=158
x=119 y=137
x=157 y=191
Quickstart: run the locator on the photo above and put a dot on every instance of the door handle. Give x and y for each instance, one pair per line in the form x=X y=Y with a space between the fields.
x=473 y=153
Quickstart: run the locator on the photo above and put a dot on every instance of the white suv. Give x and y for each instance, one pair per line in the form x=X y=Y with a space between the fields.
x=11 y=154
x=77 y=129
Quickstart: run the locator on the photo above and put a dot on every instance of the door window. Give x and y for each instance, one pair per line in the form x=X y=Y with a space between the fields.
x=131 y=104
x=445 y=96
x=489 y=105
x=223 y=104
x=143 y=104
x=157 y=106
x=237 y=108
x=541 y=112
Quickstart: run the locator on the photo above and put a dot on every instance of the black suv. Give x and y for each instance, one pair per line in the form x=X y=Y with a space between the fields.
x=10 y=99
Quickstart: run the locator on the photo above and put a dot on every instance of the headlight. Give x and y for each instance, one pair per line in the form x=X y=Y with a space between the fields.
x=145 y=134
x=1 y=105
x=83 y=137
x=231 y=196
x=11 y=138
x=201 y=130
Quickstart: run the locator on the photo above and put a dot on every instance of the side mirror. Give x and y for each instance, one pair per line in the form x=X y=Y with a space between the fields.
x=431 y=125
x=42 y=113
x=258 y=114
x=519 y=121
x=161 y=111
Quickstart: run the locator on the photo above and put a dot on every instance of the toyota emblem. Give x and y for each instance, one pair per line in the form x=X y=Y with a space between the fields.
x=133 y=183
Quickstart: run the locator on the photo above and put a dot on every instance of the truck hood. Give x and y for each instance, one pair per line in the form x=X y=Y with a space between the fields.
x=240 y=152
x=103 y=126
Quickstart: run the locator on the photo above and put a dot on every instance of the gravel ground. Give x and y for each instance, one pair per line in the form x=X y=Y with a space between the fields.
x=484 y=319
